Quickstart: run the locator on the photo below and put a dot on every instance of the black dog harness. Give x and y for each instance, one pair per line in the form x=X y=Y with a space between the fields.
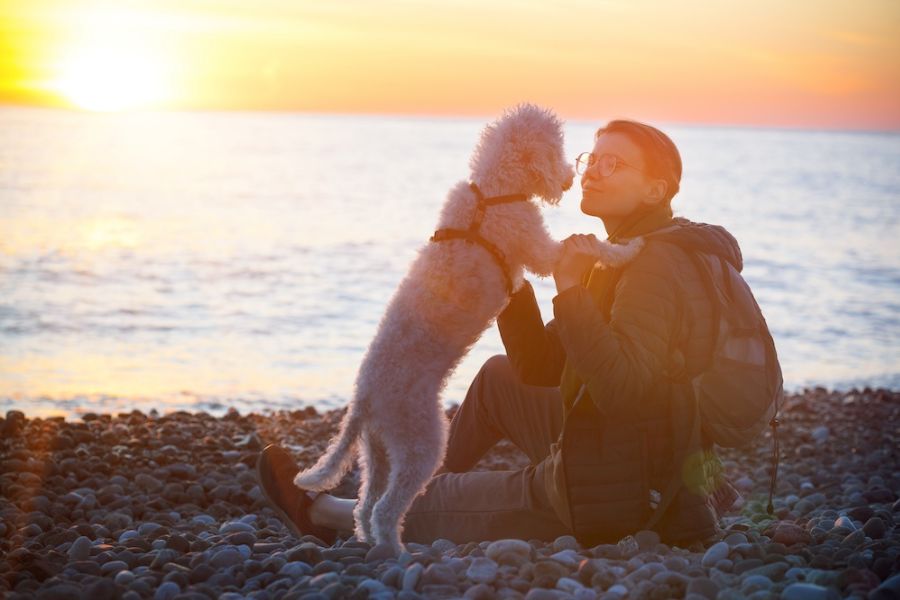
x=471 y=234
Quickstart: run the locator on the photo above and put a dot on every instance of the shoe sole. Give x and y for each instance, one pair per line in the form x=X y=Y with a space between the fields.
x=287 y=521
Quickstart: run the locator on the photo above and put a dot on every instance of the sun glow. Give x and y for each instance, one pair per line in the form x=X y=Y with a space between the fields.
x=112 y=77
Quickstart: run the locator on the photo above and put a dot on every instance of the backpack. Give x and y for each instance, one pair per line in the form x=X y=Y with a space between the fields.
x=741 y=386
x=738 y=391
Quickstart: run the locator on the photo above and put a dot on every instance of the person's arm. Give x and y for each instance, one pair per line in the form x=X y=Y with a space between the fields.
x=620 y=360
x=534 y=350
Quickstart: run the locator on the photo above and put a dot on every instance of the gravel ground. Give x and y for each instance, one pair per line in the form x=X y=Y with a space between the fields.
x=148 y=506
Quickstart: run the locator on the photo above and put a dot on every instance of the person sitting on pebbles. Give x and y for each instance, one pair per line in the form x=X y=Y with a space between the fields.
x=586 y=397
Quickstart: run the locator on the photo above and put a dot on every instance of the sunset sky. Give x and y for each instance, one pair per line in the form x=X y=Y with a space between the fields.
x=798 y=63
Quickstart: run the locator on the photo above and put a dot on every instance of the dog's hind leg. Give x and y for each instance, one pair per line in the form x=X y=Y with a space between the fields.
x=374 y=472
x=407 y=480
x=412 y=466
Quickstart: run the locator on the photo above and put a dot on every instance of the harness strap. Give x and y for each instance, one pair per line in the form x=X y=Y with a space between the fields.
x=471 y=234
x=484 y=203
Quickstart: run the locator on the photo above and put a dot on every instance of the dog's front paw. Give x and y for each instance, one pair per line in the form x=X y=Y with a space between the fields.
x=615 y=255
x=542 y=258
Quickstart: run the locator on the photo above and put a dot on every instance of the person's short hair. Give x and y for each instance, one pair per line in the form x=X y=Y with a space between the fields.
x=660 y=154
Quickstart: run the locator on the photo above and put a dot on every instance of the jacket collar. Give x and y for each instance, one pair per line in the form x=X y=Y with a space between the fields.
x=642 y=222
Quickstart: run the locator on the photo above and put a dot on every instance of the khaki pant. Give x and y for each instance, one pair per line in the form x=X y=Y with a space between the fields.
x=464 y=506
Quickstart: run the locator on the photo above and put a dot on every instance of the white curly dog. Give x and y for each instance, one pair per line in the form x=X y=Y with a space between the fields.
x=489 y=230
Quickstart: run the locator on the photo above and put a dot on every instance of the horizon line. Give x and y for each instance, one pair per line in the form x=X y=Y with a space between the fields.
x=4 y=104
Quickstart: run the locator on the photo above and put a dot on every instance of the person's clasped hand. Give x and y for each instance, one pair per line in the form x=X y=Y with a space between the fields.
x=576 y=259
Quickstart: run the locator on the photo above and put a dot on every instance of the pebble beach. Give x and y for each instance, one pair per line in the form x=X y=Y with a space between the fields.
x=142 y=505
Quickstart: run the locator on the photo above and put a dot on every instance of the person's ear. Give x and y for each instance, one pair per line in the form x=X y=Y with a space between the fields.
x=656 y=191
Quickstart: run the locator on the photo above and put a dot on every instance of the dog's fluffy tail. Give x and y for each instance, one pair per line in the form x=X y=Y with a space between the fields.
x=338 y=458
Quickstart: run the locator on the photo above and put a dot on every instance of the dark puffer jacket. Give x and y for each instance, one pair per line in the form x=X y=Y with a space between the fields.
x=619 y=339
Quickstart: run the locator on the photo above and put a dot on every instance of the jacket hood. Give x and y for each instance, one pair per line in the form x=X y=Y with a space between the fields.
x=705 y=238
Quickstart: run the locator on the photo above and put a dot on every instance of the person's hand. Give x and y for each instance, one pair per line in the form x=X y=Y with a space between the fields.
x=577 y=257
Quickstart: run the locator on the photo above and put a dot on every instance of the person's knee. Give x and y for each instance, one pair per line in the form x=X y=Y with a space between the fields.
x=494 y=380
x=497 y=366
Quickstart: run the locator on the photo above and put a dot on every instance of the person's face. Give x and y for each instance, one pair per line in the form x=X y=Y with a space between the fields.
x=623 y=191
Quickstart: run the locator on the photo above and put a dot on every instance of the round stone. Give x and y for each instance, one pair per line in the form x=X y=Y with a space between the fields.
x=703 y=586
x=113 y=566
x=890 y=588
x=124 y=578
x=443 y=545
x=565 y=542
x=201 y=573
x=676 y=563
x=788 y=533
x=148 y=483
x=803 y=507
x=482 y=570
x=809 y=591
x=585 y=594
x=88 y=567
x=647 y=540
x=628 y=546
x=714 y=554
x=225 y=558
x=874 y=528
x=393 y=577
x=570 y=558
x=380 y=552
x=411 y=576
x=101 y=588
x=80 y=549
x=549 y=570
x=178 y=543
x=372 y=586
x=241 y=538
x=846 y=522
x=753 y=583
x=127 y=535
x=324 y=579
x=480 y=591
x=861 y=513
x=166 y=591
x=162 y=558
x=236 y=526
x=307 y=552
x=295 y=569
x=495 y=549
x=202 y=519
x=149 y=528
x=544 y=594
x=438 y=574
x=568 y=585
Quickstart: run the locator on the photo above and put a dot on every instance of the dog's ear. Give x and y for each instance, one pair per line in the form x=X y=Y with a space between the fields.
x=522 y=152
x=542 y=152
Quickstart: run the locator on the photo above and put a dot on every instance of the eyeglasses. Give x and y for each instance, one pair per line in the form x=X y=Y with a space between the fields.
x=608 y=163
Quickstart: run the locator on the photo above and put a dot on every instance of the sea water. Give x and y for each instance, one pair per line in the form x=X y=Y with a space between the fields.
x=204 y=260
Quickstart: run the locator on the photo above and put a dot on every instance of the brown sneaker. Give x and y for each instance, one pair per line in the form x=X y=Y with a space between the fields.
x=276 y=470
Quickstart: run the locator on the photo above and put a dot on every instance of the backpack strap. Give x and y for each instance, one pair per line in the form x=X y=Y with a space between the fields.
x=706 y=276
